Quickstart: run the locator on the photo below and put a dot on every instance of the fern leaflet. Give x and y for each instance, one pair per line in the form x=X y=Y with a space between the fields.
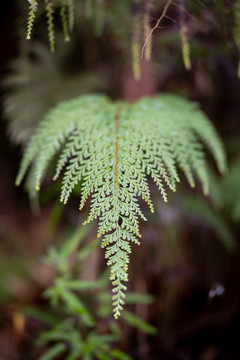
x=112 y=148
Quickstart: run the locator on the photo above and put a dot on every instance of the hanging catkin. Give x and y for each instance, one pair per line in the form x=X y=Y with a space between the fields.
x=136 y=40
x=183 y=32
x=49 y=15
x=147 y=27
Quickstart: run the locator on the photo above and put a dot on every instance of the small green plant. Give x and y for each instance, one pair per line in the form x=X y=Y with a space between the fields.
x=79 y=305
x=111 y=148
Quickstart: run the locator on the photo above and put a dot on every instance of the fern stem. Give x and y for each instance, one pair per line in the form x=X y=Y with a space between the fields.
x=116 y=148
x=117 y=307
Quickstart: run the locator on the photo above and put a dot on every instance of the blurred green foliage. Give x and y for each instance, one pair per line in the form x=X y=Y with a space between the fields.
x=80 y=307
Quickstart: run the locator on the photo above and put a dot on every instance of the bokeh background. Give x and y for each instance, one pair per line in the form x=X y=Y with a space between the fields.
x=188 y=261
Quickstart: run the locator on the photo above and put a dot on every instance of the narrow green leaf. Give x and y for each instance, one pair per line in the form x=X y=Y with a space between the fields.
x=118 y=354
x=135 y=321
x=136 y=298
x=53 y=352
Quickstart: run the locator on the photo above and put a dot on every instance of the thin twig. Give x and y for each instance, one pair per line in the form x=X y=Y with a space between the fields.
x=201 y=3
x=169 y=18
x=156 y=25
x=185 y=11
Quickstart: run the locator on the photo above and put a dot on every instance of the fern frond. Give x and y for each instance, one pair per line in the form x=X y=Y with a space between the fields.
x=31 y=17
x=49 y=14
x=112 y=148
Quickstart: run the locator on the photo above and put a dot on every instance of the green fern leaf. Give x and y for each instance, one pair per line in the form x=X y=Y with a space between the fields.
x=31 y=17
x=112 y=148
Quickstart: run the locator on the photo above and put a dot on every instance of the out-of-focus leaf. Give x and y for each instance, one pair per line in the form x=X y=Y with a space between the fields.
x=138 y=323
x=53 y=85
x=197 y=207
x=215 y=191
x=53 y=352
x=118 y=354
x=102 y=355
x=76 y=306
x=82 y=284
x=231 y=190
x=59 y=258
x=75 y=240
x=55 y=216
x=87 y=249
x=65 y=331
x=40 y=315
x=135 y=298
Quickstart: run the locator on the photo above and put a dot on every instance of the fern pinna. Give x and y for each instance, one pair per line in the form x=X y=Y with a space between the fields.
x=112 y=148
